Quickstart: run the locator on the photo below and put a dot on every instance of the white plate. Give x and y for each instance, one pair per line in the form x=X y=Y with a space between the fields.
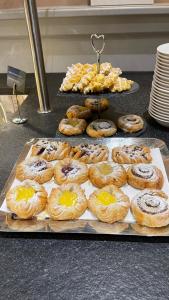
x=157 y=108
x=164 y=49
x=161 y=90
x=155 y=114
x=164 y=74
x=162 y=78
x=160 y=95
x=161 y=85
x=161 y=122
x=159 y=99
x=162 y=67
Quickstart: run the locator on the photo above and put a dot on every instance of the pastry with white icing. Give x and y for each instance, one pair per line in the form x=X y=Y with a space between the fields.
x=101 y=128
x=72 y=126
x=131 y=154
x=90 y=153
x=130 y=123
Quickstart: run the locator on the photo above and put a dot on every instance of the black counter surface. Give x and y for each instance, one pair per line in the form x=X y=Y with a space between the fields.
x=78 y=267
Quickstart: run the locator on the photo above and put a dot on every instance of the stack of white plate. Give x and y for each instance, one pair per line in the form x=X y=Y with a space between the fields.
x=159 y=97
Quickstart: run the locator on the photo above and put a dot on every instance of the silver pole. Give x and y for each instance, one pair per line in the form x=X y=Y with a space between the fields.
x=37 y=54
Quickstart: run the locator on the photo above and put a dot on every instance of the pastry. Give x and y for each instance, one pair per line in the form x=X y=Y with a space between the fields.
x=79 y=112
x=109 y=204
x=27 y=199
x=151 y=208
x=101 y=128
x=132 y=154
x=67 y=202
x=150 y=231
x=130 y=123
x=106 y=173
x=121 y=84
x=97 y=105
x=72 y=126
x=105 y=228
x=51 y=150
x=142 y=176
x=35 y=168
x=69 y=170
x=90 y=153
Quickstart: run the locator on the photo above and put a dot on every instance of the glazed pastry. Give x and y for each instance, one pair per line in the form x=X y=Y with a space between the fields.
x=130 y=123
x=142 y=176
x=109 y=204
x=69 y=170
x=131 y=154
x=101 y=128
x=35 y=168
x=27 y=199
x=90 y=153
x=95 y=106
x=105 y=228
x=150 y=231
x=106 y=173
x=72 y=126
x=51 y=150
x=79 y=112
x=67 y=202
x=151 y=208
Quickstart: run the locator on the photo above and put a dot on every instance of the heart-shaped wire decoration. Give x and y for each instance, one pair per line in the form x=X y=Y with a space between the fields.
x=99 y=51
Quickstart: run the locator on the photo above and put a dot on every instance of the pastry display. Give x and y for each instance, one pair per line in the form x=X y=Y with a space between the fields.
x=101 y=128
x=79 y=112
x=106 y=173
x=142 y=176
x=132 y=154
x=70 y=170
x=67 y=202
x=151 y=208
x=109 y=204
x=95 y=105
x=90 y=153
x=72 y=126
x=130 y=123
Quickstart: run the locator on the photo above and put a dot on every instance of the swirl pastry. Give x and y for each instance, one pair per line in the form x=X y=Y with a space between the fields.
x=72 y=126
x=101 y=128
x=151 y=208
x=109 y=204
x=26 y=200
x=130 y=123
x=93 y=105
x=106 y=173
x=79 y=112
x=67 y=202
x=143 y=176
x=90 y=153
x=69 y=170
x=131 y=154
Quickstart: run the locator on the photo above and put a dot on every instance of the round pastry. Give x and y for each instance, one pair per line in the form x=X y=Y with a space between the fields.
x=130 y=123
x=27 y=199
x=94 y=105
x=67 y=202
x=149 y=231
x=101 y=128
x=144 y=176
x=151 y=208
x=132 y=154
x=35 y=168
x=90 y=153
x=79 y=112
x=105 y=228
x=109 y=204
x=51 y=150
x=69 y=170
x=106 y=173
x=72 y=126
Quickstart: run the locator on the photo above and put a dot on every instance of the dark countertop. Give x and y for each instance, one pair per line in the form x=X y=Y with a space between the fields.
x=58 y=267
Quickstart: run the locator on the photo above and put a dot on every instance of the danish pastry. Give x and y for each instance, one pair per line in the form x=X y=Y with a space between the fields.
x=72 y=126
x=101 y=128
x=94 y=105
x=69 y=170
x=130 y=123
x=79 y=112
x=143 y=176
x=67 y=202
x=109 y=204
x=131 y=154
x=90 y=153
x=106 y=173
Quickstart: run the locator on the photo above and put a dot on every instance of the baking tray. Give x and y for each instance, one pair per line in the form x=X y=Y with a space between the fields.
x=9 y=223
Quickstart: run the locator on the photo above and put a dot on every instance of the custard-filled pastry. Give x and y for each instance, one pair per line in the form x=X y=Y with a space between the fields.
x=151 y=208
x=27 y=199
x=142 y=176
x=72 y=126
x=130 y=123
x=109 y=204
x=95 y=105
x=106 y=173
x=90 y=153
x=101 y=128
x=51 y=150
x=70 y=170
x=79 y=112
x=67 y=202
x=132 y=154
x=35 y=168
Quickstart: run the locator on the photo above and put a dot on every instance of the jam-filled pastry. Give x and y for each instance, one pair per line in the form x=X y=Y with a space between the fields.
x=70 y=170
x=142 y=176
x=132 y=154
x=93 y=104
x=79 y=112
x=109 y=204
x=101 y=128
x=35 y=168
x=72 y=126
x=67 y=202
x=51 y=150
x=151 y=208
x=130 y=123
x=27 y=199
x=106 y=173
x=90 y=153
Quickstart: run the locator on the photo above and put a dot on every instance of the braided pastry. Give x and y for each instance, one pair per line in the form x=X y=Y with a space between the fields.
x=89 y=153
x=131 y=154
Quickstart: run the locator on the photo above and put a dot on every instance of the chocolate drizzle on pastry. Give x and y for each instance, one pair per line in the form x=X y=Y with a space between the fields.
x=151 y=203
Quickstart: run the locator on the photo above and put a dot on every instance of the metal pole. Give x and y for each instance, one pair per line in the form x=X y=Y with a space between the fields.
x=37 y=54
